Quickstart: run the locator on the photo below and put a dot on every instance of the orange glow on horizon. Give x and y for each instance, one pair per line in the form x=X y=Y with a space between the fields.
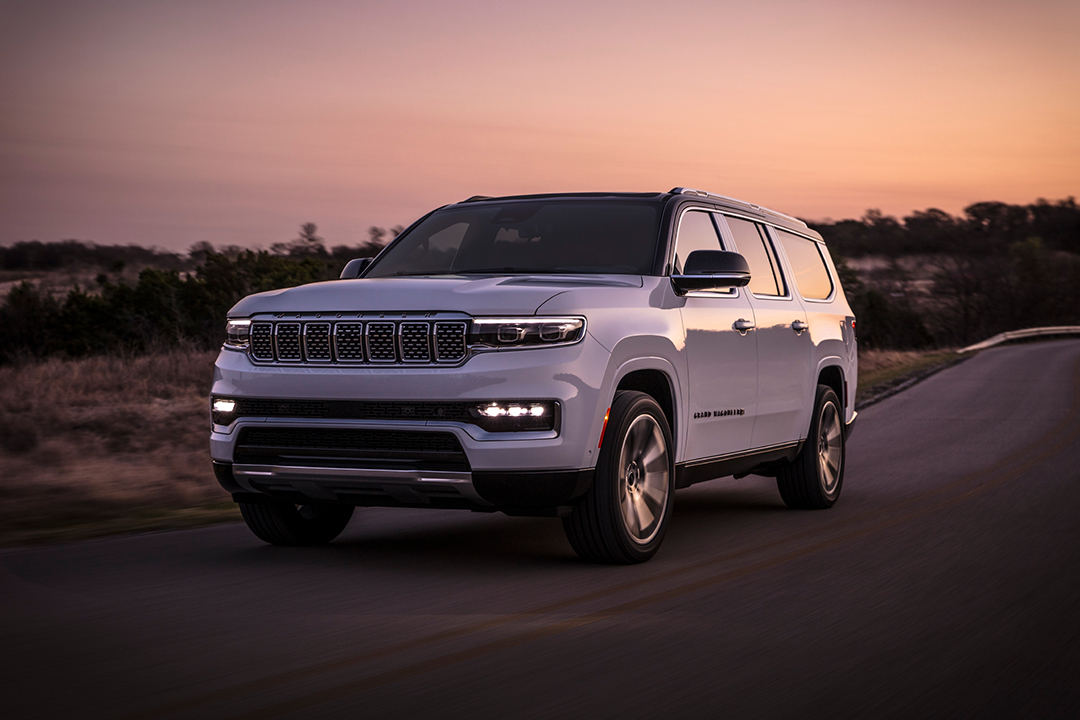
x=236 y=122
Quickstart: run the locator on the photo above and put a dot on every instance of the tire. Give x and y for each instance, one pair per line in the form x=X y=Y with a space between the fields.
x=623 y=517
x=283 y=523
x=812 y=481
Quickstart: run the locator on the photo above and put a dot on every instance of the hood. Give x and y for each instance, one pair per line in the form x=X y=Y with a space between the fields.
x=472 y=294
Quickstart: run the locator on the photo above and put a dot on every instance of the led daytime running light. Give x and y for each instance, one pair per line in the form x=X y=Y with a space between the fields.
x=526 y=332
x=238 y=333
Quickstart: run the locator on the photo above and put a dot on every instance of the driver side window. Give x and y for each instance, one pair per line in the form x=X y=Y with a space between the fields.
x=696 y=232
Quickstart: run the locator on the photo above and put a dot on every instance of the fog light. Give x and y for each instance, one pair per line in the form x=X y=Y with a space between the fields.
x=515 y=416
x=222 y=411
x=224 y=406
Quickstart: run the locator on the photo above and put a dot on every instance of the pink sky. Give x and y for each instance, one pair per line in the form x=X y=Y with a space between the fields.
x=233 y=122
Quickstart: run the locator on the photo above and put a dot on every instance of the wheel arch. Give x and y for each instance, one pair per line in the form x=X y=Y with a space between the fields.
x=831 y=373
x=655 y=377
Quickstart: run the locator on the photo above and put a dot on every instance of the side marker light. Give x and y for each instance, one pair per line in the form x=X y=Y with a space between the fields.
x=603 y=429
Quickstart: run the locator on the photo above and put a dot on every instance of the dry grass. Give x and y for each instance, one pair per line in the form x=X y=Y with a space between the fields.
x=881 y=369
x=105 y=445
x=108 y=443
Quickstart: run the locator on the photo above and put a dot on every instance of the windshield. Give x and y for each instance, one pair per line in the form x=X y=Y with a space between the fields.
x=608 y=236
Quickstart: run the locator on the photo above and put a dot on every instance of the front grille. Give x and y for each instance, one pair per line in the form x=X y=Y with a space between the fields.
x=342 y=447
x=360 y=341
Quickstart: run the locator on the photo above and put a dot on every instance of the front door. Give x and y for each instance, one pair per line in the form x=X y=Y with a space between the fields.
x=721 y=359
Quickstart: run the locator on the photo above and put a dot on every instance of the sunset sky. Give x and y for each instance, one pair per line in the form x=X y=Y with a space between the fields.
x=167 y=124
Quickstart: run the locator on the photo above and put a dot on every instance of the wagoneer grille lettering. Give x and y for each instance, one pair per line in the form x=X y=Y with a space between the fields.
x=355 y=342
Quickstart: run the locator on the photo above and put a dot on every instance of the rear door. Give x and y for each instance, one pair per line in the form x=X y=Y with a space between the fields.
x=784 y=347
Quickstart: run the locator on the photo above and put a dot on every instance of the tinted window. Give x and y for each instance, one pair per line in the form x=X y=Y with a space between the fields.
x=807 y=265
x=750 y=241
x=696 y=232
x=528 y=237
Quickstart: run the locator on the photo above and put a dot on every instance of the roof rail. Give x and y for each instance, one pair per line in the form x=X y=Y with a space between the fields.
x=474 y=198
x=735 y=201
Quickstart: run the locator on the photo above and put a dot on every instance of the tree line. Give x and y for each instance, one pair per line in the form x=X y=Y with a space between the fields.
x=939 y=281
x=177 y=301
x=949 y=281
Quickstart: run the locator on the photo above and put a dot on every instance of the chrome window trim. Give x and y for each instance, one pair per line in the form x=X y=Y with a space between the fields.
x=670 y=261
x=731 y=238
x=736 y=201
x=834 y=281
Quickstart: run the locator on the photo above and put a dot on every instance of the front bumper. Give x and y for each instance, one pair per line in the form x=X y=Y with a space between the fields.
x=519 y=472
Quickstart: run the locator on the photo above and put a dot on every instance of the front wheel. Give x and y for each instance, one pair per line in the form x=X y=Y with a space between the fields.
x=623 y=517
x=812 y=481
x=284 y=523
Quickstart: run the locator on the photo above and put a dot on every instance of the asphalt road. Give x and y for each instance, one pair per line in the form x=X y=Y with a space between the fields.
x=945 y=583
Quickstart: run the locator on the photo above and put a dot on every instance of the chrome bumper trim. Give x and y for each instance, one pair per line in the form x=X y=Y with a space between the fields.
x=317 y=481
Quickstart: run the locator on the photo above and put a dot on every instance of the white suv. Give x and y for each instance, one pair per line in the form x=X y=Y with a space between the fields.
x=578 y=355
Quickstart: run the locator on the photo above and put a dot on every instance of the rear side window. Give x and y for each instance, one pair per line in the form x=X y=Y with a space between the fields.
x=696 y=232
x=807 y=264
x=752 y=244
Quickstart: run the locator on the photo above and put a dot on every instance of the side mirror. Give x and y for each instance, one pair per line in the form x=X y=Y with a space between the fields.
x=712 y=270
x=354 y=267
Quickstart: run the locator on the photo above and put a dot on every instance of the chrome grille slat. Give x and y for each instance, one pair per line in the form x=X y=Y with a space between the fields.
x=449 y=341
x=287 y=336
x=360 y=341
x=413 y=340
x=262 y=341
x=317 y=342
x=349 y=342
x=380 y=342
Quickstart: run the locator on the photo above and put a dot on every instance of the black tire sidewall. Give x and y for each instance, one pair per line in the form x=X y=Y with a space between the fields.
x=279 y=522
x=825 y=394
x=626 y=408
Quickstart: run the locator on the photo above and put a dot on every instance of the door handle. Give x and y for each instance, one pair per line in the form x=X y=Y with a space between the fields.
x=743 y=325
x=798 y=326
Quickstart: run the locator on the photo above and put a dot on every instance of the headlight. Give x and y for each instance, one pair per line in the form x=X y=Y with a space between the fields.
x=222 y=410
x=237 y=334
x=526 y=332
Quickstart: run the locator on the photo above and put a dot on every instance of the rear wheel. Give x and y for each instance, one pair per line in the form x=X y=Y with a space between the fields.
x=283 y=523
x=623 y=517
x=814 y=478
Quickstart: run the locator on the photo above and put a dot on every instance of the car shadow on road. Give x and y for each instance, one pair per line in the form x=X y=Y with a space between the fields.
x=713 y=513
